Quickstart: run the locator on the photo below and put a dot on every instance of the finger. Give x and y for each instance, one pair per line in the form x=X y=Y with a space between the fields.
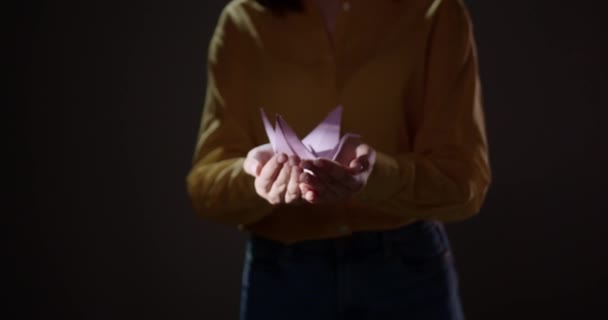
x=333 y=169
x=340 y=182
x=363 y=155
x=311 y=187
x=322 y=192
x=252 y=166
x=293 y=191
x=348 y=150
x=257 y=158
x=269 y=172
x=276 y=194
x=318 y=170
x=336 y=181
x=307 y=193
x=336 y=191
x=261 y=153
x=345 y=180
x=304 y=164
x=312 y=181
x=294 y=160
x=356 y=165
x=362 y=166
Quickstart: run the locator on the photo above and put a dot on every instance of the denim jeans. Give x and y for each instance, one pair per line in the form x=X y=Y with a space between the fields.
x=405 y=273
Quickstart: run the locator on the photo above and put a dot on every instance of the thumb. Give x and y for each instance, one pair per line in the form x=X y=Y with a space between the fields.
x=363 y=155
x=360 y=164
x=252 y=166
x=256 y=159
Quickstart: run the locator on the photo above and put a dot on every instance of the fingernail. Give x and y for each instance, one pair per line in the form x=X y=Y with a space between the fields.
x=281 y=158
x=310 y=172
x=254 y=168
x=292 y=161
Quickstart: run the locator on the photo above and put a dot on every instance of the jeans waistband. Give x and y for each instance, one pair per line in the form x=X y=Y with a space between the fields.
x=418 y=234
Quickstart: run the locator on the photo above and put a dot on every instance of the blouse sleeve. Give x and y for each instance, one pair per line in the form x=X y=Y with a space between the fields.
x=219 y=188
x=447 y=174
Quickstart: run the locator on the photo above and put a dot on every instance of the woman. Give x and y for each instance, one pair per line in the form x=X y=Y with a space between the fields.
x=361 y=237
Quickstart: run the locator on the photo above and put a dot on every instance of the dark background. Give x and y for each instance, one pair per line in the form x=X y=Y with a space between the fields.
x=108 y=106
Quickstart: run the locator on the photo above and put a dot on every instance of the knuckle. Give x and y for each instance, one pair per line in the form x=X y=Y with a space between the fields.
x=259 y=184
x=280 y=187
x=292 y=188
x=289 y=198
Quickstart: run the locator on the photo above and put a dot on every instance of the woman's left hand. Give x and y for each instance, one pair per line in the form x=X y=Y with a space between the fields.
x=335 y=181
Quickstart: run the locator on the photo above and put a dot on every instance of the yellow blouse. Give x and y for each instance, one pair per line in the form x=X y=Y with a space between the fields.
x=406 y=75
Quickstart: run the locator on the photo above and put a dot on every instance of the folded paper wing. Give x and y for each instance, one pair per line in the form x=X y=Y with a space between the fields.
x=322 y=142
x=325 y=137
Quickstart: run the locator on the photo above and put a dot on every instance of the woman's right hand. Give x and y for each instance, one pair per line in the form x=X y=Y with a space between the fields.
x=276 y=175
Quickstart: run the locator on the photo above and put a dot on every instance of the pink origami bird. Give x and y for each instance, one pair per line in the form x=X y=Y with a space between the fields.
x=322 y=142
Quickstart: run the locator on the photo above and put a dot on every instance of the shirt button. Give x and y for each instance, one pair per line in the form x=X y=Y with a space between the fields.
x=346 y=6
x=343 y=228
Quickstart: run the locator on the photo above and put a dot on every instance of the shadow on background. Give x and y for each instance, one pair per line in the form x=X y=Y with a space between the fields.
x=109 y=108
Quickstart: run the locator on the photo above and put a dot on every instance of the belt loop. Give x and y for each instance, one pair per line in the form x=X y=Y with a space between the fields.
x=386 y=243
